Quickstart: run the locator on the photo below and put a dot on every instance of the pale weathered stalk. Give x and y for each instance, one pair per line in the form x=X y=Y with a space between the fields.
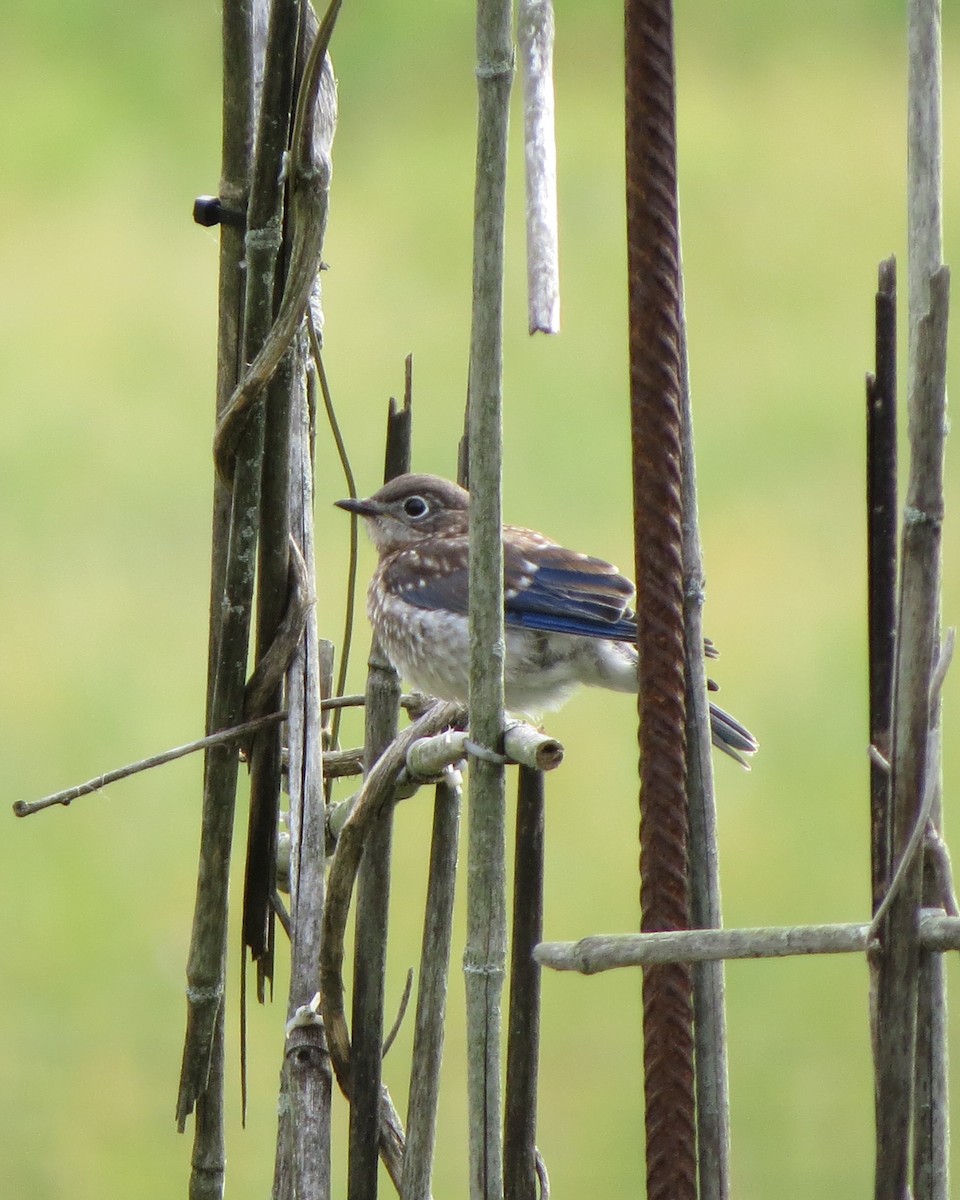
x=485 y=953
x=610 y=952
x=535 y=26
x=931 y=1177
x=710 y=1021
x=303 y=1144
x=911 y=1149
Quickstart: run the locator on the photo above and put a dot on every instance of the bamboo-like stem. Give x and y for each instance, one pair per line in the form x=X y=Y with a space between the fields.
x=432 y=993
x=535 y=25
x=206 y=963
x=903 y=1078
x=930 y=1176
x=208 y=1164
x=917 y=625
x=485 y=952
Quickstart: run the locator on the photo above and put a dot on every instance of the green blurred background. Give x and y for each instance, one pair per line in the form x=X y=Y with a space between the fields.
x=792 y=163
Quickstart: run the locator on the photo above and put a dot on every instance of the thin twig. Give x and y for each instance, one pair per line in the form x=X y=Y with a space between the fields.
x=24 y=808
x=351 y=596
x=415 y=703
x=930 y=792
x=401 y=1013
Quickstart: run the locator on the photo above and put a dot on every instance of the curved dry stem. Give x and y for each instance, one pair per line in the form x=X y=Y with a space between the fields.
x=351 y=596
x=272 y=666
x=377 y=792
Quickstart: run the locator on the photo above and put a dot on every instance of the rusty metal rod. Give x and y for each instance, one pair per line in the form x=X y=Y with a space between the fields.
x=655 y=369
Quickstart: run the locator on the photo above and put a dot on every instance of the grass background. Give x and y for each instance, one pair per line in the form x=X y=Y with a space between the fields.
x=792 y=159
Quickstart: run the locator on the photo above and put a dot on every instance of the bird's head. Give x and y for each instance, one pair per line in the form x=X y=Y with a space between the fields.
x=411 y=509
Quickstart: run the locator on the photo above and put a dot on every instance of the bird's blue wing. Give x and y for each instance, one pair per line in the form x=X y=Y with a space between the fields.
x=546 y=587
x=549 y=588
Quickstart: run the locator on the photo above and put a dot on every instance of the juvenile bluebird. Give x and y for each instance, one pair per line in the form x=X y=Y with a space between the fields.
x=566 y=615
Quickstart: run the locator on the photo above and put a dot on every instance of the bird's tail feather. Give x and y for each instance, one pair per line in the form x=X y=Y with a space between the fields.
x=730 y=736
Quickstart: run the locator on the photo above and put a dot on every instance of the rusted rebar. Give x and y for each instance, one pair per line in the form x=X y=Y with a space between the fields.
x=654 y=304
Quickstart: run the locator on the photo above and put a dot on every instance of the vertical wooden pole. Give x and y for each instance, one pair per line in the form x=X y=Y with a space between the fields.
x=485 y=953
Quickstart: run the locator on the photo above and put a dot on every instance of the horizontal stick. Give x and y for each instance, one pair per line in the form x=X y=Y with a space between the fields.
x=337 y=764
x=415 y=703
x=522 y=744
x=606 y=952
x=24 y=808
x=531 y=748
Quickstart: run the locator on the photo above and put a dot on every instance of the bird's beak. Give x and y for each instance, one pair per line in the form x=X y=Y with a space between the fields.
x=363 y=508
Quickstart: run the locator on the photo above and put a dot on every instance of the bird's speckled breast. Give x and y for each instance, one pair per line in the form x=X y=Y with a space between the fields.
x=430 y=649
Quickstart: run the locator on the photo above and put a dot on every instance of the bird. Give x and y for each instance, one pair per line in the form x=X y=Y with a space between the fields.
x=567 y=616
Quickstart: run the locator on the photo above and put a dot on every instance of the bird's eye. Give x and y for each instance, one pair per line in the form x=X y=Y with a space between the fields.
x=415 y=506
